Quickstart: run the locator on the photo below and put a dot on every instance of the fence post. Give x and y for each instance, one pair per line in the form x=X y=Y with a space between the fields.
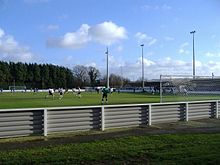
x=187 y=112
x=103 y=117
x=216 y=109
x=149 y=115
x=45 y=122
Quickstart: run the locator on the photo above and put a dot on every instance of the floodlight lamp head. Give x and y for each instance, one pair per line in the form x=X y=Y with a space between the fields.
x=142 y=45
x=192 y=32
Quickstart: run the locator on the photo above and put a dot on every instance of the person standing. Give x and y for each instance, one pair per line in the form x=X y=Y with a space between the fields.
x=50 y=93
x=61 y=92
x=105 y=92
x=79 y=92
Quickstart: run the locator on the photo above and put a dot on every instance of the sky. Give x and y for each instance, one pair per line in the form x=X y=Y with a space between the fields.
x=77 y=32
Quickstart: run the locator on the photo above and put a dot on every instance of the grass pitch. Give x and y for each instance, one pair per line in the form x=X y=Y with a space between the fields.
x=37 y=100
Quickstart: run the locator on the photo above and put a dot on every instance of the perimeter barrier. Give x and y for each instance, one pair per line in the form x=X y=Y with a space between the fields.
x=46 y=121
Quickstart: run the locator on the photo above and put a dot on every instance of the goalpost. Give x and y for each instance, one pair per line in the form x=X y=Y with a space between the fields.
x=17 y=88
x=187 y=87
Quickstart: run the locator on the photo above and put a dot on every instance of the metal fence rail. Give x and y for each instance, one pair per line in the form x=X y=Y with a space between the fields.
x=44 y=121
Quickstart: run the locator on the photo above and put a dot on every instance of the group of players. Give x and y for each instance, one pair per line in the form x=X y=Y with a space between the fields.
x=61 y=91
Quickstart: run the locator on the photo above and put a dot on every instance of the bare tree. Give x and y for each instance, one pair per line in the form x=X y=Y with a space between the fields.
x=94 y=74
x=80 y=73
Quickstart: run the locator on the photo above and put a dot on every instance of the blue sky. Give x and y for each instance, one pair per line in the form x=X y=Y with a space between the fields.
x=77 y=32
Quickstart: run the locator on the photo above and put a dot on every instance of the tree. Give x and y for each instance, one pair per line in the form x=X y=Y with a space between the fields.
x=115 y=80
x=94 y=74
x=81 y=74
x=35 y=75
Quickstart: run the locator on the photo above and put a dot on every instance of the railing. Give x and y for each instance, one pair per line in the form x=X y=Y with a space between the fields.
x=44 y=121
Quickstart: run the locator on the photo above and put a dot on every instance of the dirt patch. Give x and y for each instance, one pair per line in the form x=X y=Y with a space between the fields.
x=198 y=126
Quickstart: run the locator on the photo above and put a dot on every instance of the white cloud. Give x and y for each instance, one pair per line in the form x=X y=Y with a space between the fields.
x=185 y=44
x=167 y=38
x=144 y=38
x=106 y=33
x=2 y=33
x=93 y=64
x=183 y=48
x=119 y=48
x=209 y=54
x=53 y=27
x=11 y=50
x=163 y=7
x=72 y=40
x=165 y=66
x=153 y=41
x=147 y=62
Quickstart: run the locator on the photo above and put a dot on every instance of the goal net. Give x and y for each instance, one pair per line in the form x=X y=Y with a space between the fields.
x=187 y=88
x=17 y=88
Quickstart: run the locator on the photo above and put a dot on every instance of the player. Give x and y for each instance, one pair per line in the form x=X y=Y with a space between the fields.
x=185 y=92
x=50 y=93
x=105 y=92
x=61 y=92
x=79 y=93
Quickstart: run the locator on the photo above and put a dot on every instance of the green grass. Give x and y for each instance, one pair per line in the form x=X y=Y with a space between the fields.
x=24 y=100
x=153 y=149
x=36 y=100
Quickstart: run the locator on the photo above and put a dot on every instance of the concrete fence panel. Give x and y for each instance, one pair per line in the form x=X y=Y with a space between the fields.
x=126 y=116
x=73 y=119
x=21 y=123
x=201 y=110
x=163 y=113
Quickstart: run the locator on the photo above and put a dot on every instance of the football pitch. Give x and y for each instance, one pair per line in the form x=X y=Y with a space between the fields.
x=37 y=100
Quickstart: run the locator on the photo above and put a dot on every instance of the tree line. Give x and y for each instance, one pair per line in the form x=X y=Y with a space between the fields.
x=34 y=75
x=43 y=76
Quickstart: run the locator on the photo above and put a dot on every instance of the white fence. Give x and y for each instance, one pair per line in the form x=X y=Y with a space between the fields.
x=44 y=121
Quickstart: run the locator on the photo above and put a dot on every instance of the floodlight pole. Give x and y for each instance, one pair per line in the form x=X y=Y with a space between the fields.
x=107 y=69
x=142 y=48
x=194 y=70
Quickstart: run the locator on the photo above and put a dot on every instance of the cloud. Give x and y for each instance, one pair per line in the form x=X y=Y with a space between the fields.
x=119 y=48
x=53 y=27
x=72 y=40
x=2 y=33
x=209 y=54
x=11 y=50
x=183 y=48
x=106 y=33
x=144 y=38
x=167 y=38
x=154 y=68
x=163 y=7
